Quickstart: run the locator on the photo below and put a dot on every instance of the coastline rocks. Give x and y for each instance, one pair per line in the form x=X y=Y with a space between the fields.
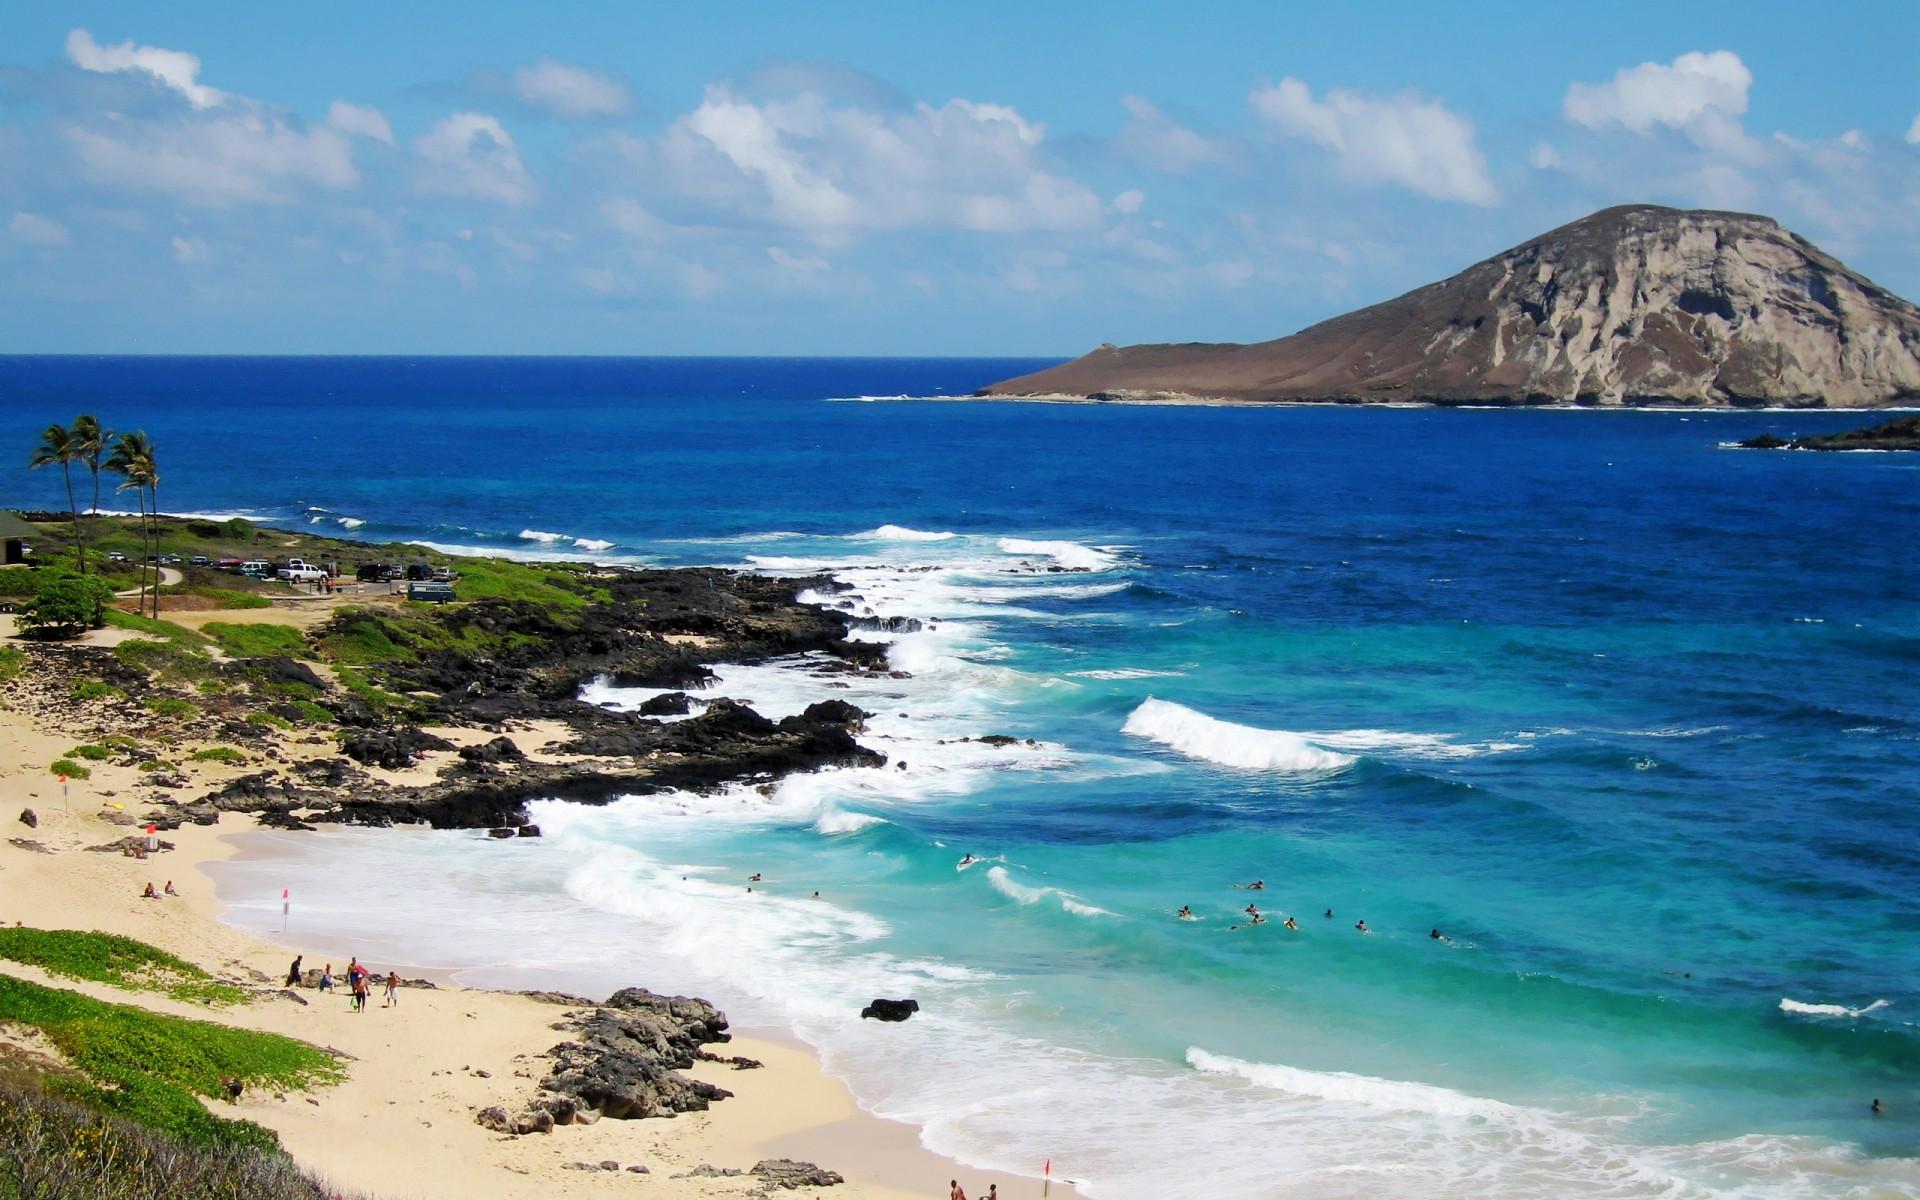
x=890 y=1010
x=527 y=831
x=394 y=749
x=626 y=1055
x=500 y=749
x=502 y=833
x=495 y=1118
x=29 y=818
x=667 y=704
x=830 y=712
x=787 y=1173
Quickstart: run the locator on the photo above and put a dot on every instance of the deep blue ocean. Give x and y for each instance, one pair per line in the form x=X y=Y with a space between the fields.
x=1631 y=718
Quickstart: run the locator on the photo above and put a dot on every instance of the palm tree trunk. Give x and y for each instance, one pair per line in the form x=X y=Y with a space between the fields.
x=140 y=496
x=93 y=518
x=79 y=538
x=153 y=510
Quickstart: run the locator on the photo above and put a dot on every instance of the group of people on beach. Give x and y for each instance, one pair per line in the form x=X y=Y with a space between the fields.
x=150 y=894
x=956 y=1192
x=361 y=981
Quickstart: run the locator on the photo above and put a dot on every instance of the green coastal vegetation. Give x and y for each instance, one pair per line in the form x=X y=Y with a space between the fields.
x=117 y=961
x=124 y=1108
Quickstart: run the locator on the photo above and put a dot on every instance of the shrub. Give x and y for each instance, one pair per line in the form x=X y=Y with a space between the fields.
x=94 y=689
x=170 y=706
x=13 y=660
x=65 y=606
x=69 y=768
x=258 y=641
x=237 y=529
x=154 y=764
x=96 y=753
x=74 y=1152
x=268 y=720
x=219 y=754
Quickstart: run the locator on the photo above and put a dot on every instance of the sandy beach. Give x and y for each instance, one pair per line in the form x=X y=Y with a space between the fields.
x=401 y=1125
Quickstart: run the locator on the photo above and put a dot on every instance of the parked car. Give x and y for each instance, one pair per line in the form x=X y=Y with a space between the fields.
x=419 y=572
x=435 y=593
x=379 y=572
x=199 y=560
x=257 y=568
x=444 y=575
x=116 y=556
x=297 y=570
x=169 y=560
x=230 y=564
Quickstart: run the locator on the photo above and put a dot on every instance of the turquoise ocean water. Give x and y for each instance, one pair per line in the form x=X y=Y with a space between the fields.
x=1632 y=718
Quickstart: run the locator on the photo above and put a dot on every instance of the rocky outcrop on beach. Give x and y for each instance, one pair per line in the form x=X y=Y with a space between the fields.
x=624 y=1058
x=1901 y=433
x=1637 y=305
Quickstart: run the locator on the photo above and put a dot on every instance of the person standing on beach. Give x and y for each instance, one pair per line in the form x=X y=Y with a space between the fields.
x=393 y=996
x=293 y=972
x=955 y=1191
x=360 y=992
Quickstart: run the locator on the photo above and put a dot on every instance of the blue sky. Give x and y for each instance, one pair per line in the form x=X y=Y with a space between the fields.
x=624 y=178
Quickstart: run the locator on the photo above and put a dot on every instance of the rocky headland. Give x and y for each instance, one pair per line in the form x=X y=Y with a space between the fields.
x=1636 y=305
x=1901 y=433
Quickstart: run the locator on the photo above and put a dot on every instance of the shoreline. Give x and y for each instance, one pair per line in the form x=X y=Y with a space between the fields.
x=399 y=1126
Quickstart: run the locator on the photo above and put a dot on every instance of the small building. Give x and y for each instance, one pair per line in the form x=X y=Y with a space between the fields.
x=15 y=538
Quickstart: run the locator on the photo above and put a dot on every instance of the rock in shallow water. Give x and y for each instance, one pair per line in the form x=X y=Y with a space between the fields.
x=890 y=1010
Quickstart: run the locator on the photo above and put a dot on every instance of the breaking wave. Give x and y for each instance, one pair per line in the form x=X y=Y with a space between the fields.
x=1198 y=735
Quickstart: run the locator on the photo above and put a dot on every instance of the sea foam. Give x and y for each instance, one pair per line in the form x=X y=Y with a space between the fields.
x=1198 y=735
x=1800 y=1008
x=1347 y=1088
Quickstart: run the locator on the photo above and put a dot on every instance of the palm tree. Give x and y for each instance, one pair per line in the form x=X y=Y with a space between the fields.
x=89 y=443
x=58 y=447
x=132 y=460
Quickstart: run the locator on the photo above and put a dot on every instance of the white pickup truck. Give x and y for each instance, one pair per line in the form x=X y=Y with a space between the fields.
x=300 y=571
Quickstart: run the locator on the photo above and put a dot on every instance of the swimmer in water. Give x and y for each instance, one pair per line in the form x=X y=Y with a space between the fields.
x=968 y=860
x=1290 y=923
x=1251 y=911
x=1361 y=925
x=1258 y=885
x=754 y=878
x=1437 y=936
x=1877 y=1110
x=1329 y=914
x=1185 y=913
x=1257 y=920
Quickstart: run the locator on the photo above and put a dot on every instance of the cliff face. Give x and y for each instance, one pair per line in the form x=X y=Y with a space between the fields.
x=1635 y=305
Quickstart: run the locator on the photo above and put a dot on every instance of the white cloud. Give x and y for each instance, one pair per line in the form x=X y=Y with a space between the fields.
x=1544 y=157
x=1702 y=95
x=471 y=154
x=1129 y=201
x=807 y=163
x=1157 y=140
x=361 y=119
x=1854 y=139
x=176 y=69
x=1405 y=139
x=1913 y=132
x=569 y=90
x=189 y=250
x=632 y=218
x=218 y=160
x=799 y=264
x=36 y=230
